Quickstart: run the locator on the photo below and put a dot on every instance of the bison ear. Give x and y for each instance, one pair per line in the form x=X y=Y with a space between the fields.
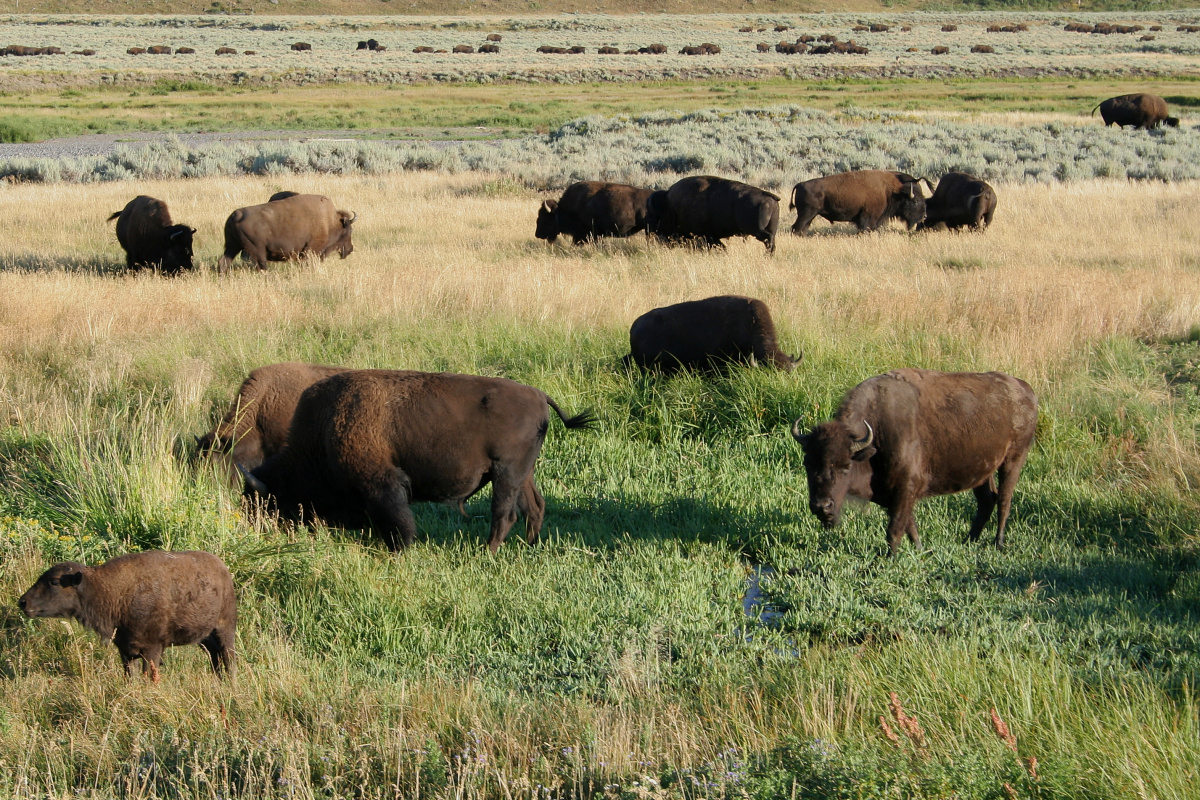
x=864 y=454
x=253 y=485
x=346 y=223
x=71 y=579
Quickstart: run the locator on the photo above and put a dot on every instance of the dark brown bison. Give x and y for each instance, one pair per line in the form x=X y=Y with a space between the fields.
x=868 y=198
x=1136 y=110
x=653 y=49
x=763 y=47
x=609 y=50
x=136 y=51
x=87 y=52
x=706 y=334
x=949 y=28
x=226 y=51
x=185 y=51
x=552 y=50
x=283 y=195
x=593 y=208
x=746 y=29
x=982 y=48
x=159 y=50
x=691 y=51
x=781 y=28
x=879 y=27
x=576 y=49
x=494 y=37
x=301 y=46
x=256 y=425
x=960 y=199
x=489 y=48
x=711 y=209
x=463 y=48
x=940 y=50
x=144 y=603
x=915 y=433
x=288 y=228
x=249 y=52
x=365 y=444
x=791 y=48
x=150 y=239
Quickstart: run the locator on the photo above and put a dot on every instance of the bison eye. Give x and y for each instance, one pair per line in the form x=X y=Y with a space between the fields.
x=54 y=581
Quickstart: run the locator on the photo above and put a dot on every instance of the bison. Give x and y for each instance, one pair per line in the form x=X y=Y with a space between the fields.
x=949 y=28
x=423 y=49
x=594 y=208
x=365 y=444
x=960 y=199
x=185 y=51
x=463 y=48
x=159 y=50
x=940 y=50
x=136 y=51
x=489 y=48
x=982 y=48
x=494 y=37
x=301 y=46
x=1137 y=110
x=145 y=602
x=287 y=228
x=609 y=50
x=226 y=51
x=915 y=433
x=653 y=49
x=256 y=425
x=149 y=238
x=712 y=209
x=868 y=198
x=705 y=335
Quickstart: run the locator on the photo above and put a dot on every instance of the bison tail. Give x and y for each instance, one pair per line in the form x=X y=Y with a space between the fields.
x=792 y=197
x=1094 y=109
x=585 y=420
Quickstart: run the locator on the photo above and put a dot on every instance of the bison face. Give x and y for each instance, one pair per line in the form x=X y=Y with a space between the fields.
x=547 y=222
x=177 y=255
x=911 y=205
x=658 y=215
x=836 y=462
x=54 y=594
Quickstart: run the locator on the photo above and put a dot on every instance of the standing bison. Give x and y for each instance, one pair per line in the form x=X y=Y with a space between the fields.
x=1143 y=111
x=960 y=199
x=148 y=237
x=287 y=228
x=915 y=433
x=365 y=444
x=868 y=198
x=593 y=208
x=711 y=209
x=256 y=426
x=144 y=603
x=706 y=334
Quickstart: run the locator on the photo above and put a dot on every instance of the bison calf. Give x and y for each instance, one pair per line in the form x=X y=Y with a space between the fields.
x=365 y=444
x=916 y=433
x=150 y=239
x=706 y=334
x=145 y=602
x=593 y=208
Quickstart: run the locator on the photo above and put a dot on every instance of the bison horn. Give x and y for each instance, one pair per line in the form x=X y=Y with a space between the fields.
x=353 y=216
x=865 y=442
x=252 y=483
x=796 y=434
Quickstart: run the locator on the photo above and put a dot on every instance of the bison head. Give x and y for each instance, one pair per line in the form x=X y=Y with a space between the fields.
x=54 y=594
x=658 y=215
x=547 y=222
x=343 y=242
x=177 y=250
x=837 y=463
x=910 y=204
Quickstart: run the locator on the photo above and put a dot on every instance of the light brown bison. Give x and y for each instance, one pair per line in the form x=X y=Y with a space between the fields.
x=226 y=51
x=916 y=433
x=159 y=50
x=494 y=37
x=136 y=51
x=185 y=51
x=144 y=603
x=288 y=228
x=960 y=200
x=150 y=239
x=365 y=444
x=867 y=197
x=940 y=50
x=982 y=48
x=589 y=209
x=710 y=209
x=256 y=425
x=1143 y=111
x=463 y=48
x=706 y=334
x=423 y=49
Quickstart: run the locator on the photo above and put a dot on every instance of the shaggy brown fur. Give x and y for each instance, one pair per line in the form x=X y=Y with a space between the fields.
x=1143 y=111
x=149 y=238
x=708 y=209
x=867 y=197
x=287 y=228
x=960 y=200
x=145 y=602
x=590 y=209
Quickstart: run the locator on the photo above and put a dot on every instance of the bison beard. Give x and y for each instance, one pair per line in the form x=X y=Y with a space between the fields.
x=365 y=444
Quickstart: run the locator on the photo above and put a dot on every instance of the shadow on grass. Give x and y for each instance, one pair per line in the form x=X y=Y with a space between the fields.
x=96 y=265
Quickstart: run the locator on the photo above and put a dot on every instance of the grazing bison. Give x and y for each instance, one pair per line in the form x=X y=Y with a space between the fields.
x=145 y=602
x=226 y=51
x=463 y=48
x=287 y=228
x=593 y=208
x=940 y=50
x=256 y=426
x=949 y=28
x=712 y=209
x=249 y=52
x=960 y=199
x=365 y=444
x=301 y=46
x=609 y=50
x=915 y=433
x=552 y=50
x=86 y=52
x=706 y=334
x=490 y=48
x=136 y=51
x=653 y=49
x=763 y=47
x=150 y=239
x=159 y=50
x=868 y=198
x=423 y=49
x=982 y=48
x=1137 y=110
x=185 y=51
x=494 y=37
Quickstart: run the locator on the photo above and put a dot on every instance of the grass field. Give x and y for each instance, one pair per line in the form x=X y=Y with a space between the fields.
x=615 y=658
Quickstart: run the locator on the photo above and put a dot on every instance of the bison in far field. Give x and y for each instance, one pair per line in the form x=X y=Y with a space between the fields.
x=705 y=335
x=365 y=444
x=711 y=209
x=287 y=228
x=868 y=198
x=960 y=200
x=594 y=208
x=916 y=433
x=150 y=239
x=1143 y=111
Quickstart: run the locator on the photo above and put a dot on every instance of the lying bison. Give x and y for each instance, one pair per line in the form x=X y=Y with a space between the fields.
x=1136 y=110
x=256 y=426
x=711 y=209
x=959 y=200
x=287 y=228
x=594 y=208
x=145 y=602
x=705 y=335
x=150 y=239
x=365 y=444
x=868 y=198
x=915 y=433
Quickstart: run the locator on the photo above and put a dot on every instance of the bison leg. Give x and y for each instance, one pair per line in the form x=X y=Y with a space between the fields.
x=1009 y=472
x=533 y=506
x=219 y=645
x=390 y=513
x=985 y=496
x=901 y=523
x=804 y=218
x=506 y=495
